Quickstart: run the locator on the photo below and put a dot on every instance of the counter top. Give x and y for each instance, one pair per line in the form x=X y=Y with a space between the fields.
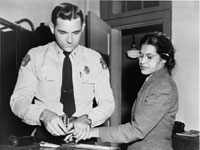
x=37 y=146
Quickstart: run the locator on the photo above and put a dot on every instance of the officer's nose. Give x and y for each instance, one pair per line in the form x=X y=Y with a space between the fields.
x=69 y=39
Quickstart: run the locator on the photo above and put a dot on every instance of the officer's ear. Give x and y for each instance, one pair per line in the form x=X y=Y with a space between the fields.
x=51 y=26
x=83 y=27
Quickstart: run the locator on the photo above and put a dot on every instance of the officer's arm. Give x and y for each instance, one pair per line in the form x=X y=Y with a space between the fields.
x=21 y=99
x=103 y=95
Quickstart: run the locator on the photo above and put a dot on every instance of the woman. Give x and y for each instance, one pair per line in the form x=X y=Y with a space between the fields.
x=154 y=110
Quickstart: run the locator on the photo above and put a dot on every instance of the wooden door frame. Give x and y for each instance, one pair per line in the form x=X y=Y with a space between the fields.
x=160 y=17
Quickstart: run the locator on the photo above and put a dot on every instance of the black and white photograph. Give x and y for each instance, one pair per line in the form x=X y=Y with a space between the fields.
x=99 y=74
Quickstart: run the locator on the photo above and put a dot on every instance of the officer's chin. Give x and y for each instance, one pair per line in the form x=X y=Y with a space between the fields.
x=69 y=49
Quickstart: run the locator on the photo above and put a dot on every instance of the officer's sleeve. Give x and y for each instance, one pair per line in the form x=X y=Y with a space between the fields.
x=21 y=99
x=103 y=95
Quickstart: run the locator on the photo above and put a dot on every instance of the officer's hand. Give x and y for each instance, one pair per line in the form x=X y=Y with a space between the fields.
x=53 y=123
x=81 y=127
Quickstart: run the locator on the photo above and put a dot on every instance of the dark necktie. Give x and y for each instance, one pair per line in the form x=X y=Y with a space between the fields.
x=67 y=92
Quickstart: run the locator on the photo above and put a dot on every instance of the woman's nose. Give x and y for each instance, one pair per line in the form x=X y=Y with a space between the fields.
x=142 y=59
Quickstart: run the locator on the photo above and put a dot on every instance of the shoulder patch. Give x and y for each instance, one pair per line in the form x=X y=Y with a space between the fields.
x=103 y=63
x=26 y=60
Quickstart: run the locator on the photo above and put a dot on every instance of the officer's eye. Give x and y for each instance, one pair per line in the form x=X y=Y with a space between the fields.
x=77 y=32
x=62 y=32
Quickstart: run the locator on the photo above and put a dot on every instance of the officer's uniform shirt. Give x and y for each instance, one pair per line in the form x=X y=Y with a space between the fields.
x=40 y=76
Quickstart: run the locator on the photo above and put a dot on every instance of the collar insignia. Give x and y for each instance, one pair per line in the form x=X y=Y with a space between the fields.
x=104 y=66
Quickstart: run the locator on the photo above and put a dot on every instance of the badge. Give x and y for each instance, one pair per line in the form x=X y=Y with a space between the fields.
x=26 y=60
x=103 y=63
x=87 y=70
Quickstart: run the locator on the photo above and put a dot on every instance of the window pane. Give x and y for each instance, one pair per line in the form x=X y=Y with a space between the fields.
x=134 y=5
x=148 y=4
x=117 y=7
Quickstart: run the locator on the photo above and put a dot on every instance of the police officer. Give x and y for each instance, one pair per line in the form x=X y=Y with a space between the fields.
x=40 y=78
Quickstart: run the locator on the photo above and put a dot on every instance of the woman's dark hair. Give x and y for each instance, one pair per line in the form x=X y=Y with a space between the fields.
x=66 y=11
x=163 y=46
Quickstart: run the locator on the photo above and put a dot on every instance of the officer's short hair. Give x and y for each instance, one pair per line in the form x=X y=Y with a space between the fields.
x=66 y=11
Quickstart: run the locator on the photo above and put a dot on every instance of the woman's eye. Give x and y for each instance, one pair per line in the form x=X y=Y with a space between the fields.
x=149 y=56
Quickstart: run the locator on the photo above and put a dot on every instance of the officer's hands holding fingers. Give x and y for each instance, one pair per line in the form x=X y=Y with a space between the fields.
x=79 y=128
x=53 y=123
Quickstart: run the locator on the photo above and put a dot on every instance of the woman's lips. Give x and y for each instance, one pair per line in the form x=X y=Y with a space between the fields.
x=143 y=67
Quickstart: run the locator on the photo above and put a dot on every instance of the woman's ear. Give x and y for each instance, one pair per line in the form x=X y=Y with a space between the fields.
x=163 y=61
x=51 y=26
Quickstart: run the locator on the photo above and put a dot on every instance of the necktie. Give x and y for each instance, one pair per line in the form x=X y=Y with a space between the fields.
x=67 y=93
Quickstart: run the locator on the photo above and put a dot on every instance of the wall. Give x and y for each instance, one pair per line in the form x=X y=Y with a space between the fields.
x=185 y=36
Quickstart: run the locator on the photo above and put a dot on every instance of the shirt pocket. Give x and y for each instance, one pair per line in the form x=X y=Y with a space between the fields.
x=46 y=76
x=47 y=86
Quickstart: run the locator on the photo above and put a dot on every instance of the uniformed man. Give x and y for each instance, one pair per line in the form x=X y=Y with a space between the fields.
x=37 y=94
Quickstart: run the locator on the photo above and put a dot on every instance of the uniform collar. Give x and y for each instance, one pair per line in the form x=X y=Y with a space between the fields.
x=74 y=54
x=59 y=51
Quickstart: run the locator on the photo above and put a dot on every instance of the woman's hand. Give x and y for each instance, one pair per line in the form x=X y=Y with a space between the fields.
x=94 y=132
